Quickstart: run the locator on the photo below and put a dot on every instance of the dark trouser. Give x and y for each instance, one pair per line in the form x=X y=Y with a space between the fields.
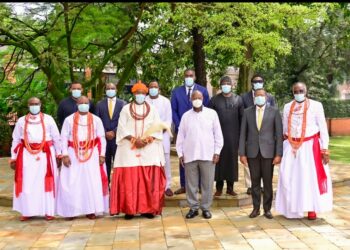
x=110 y=153
x=183 y=178
x=220 y=185
x=261 y=167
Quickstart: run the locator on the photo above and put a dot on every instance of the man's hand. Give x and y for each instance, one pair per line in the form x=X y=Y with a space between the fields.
x=102 y=159
x=13 y=165
x=66 y=161
x=139 y=143
x=216 y=158
x=325 y=159
x=243 y=160
x=59 y=162
x=182 y=161
x=276 y=160
x=110 y=135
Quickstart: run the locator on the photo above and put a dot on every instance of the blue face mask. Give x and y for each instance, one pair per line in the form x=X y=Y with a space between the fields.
x=260 y=100
x=226 y=88
x=258 y=85
x=111 y=93
x=76 y=93
x=153 y=91
x=34 y=109
x=189 y=81
x=299 y=97
x=140 y=98
x=83 y=108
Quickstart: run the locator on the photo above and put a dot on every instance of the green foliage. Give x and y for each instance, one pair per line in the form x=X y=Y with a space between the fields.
x=336 y=108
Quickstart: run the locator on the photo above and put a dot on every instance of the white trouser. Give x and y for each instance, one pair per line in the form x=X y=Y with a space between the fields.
x=167 y=169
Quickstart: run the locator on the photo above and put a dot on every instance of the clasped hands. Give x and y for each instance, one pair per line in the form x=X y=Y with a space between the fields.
x=139 y=142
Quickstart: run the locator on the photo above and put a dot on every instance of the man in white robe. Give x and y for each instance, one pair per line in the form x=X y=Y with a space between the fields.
x=163 y=106
x=83 y=182
x=138 y=181
x=35 y=151
x=305 y=183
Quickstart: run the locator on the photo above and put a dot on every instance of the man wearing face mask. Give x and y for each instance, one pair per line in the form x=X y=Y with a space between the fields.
x=260 y=148
x=35 y=155
x=305 y=184
x=108 y=110
x=229 y=108
x=180 y=103
x=138 y=180
x=163 y=106
x=69 y=106
x=257 y=82
x=198 y=146
x=83 y=182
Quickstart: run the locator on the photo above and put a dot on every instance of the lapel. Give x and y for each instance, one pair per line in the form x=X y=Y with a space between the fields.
x=254 y=118
x=184 y=94
x=250 y=98
x=266 y=113
x=115 y=108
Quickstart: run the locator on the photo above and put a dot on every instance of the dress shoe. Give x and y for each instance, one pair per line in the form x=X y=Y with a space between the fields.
x=181 y=190
x=268 y=215
x=169 y=192
x=24 y=218
x=254 y=213
x=70 y=218
x=249 y=191
x=218 y=193
x=206 y=214
x=148 y=215
x=231 y=192
x=191 y=214
x=128 y=216
x=91 y=216
x=311 y=216
x=48 y=217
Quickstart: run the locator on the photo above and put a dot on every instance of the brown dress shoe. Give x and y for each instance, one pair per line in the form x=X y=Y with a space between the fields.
x=91 y=216
x=218 y=193
x=254 y=213
x=231 y=192
x=268 y=215
x=169 y=192
x=181 y=190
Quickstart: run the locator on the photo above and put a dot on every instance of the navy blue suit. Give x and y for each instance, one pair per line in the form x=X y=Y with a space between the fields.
x=180 y=103
x=109 y=124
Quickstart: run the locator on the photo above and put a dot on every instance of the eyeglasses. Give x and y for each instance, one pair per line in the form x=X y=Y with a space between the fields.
x=257 y=81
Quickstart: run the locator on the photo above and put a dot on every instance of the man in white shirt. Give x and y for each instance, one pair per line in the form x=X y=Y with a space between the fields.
x=199 y=143
x=305 y=184
x=163 y=106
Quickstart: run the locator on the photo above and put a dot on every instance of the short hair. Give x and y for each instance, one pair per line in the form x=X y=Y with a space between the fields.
x=70 y=85
x=257 y=75
x=261 y=90
x=226 y=79
x=33 y=97
x=189 y=69
x=153 y=80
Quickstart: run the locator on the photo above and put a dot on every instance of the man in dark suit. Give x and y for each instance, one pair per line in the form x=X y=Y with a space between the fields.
x=180 y=103
x=69 y=105
x=108 y=109
x=260 y=147
x=257 y=82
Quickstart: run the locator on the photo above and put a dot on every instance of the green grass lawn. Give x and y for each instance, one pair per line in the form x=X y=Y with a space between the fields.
x=340 y=149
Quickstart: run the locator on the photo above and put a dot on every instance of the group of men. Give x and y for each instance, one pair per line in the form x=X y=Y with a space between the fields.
x=69 y=173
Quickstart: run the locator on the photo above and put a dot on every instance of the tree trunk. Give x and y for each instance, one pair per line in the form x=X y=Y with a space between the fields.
x=199 y=57
x=69 y=41
x=245 y=72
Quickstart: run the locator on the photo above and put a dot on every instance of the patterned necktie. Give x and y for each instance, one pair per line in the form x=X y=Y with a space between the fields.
x=259 y=118
x=110 y=108
x=189 y=94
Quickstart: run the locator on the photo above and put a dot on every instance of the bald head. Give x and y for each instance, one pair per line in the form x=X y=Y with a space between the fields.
x=299 y=88
x=196 y=95
x=83 y=100
x=34 y=101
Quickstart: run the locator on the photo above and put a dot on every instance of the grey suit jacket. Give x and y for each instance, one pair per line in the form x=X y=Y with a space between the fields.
x=268 y=140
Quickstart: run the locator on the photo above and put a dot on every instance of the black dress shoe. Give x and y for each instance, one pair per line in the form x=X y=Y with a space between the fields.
x=254 y=213
x=191 y=214
x=268 y=215
x=206 y=214
x=148 y=215
x=128 y=216
x=249 y=191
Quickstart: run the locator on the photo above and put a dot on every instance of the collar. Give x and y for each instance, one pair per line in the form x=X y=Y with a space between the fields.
x=262 y=108
x=113 y=98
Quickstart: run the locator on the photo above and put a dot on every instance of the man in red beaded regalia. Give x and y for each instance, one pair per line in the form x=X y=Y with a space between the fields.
x=83 y=182
x=35 y=151
x=305 y=183
x=138 y=181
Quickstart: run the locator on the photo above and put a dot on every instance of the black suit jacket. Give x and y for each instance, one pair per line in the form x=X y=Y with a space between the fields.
x=269 y=140
x=248 y=100
x=101 y=111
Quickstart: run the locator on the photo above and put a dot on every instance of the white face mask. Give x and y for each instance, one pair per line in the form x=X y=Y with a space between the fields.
x=197 y=103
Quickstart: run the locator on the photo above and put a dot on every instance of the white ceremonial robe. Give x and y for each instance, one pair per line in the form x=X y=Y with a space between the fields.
x=80 y=186
x=298 y=190
x=33 y=200
x=163 y=106
x=152 y=154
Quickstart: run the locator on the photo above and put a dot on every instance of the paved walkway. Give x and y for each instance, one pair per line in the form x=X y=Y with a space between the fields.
x=230 y=227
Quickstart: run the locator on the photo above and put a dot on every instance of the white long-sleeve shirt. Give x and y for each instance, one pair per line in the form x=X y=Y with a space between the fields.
x=315 y=121
x=199 y=136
